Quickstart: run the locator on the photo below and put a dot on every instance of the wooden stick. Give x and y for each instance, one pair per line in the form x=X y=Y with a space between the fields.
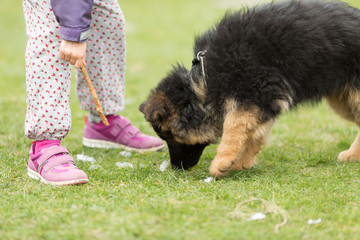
x=95 y=97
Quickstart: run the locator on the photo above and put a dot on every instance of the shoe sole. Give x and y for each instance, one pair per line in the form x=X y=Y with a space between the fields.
x=34 y=175
x=94 y=143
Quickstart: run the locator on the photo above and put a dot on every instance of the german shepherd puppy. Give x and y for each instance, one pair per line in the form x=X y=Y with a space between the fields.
x=252 y=66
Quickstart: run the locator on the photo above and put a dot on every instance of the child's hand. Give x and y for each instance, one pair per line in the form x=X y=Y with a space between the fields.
x=73 y=52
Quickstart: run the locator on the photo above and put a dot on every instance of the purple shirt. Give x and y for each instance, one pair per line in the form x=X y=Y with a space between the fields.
x=74 y=17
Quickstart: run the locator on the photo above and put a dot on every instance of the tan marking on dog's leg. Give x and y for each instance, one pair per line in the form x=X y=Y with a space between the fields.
x=247 y=159
x=339 y=103
x=353 y=153
x=253 y=147
x=354 y=104
x=238 y=128
x=347 y=105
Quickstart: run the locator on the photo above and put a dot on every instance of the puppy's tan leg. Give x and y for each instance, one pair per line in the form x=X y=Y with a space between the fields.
x=247 y=159
x=353 y=153
x=253 y=147
x=239 y=126
x=347 y=105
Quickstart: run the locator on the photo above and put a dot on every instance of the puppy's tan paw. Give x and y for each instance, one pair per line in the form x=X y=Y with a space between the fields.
x=220 y=168
x=242 y=165
x=349 y=156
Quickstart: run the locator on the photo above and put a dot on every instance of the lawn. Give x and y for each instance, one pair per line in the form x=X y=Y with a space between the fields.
x=297 y=171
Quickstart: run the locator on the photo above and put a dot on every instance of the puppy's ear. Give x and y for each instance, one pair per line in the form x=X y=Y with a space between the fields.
x=155 y=108
x=156 y=113
x=142 y=107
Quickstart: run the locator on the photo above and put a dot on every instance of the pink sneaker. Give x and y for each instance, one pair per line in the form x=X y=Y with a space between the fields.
x=54 y=165
x=119 y=134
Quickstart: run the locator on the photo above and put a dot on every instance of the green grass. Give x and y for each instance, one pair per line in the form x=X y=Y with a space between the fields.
x=297 y=170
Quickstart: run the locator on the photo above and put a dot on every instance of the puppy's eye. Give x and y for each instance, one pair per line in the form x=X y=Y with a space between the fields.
x=166 y=135
x=157 y=130
x=163 y=134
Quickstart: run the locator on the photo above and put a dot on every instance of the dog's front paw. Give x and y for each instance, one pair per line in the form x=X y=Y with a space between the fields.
x=242 y=165
x=349 y=155
x=219 y=167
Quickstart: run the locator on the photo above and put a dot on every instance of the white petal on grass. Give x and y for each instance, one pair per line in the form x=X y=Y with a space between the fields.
x=124 y=165
x=84 y=158
x=209 y=179
x=316 y=221
x=257 y=216
x=125 y=154
x=164 y=165
x=269 y=207
x=93 y=167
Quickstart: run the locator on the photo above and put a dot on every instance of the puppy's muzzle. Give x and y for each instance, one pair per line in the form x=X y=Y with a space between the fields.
x=184 y=156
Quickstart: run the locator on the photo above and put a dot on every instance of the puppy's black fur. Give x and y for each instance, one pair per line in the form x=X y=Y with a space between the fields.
x=259 y=61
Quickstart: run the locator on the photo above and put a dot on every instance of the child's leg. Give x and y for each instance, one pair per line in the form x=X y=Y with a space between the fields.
x=48 y=82
x=48 y=79
x=105 y=59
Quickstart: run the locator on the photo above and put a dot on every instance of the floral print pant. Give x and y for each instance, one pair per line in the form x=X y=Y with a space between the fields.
x=48 y=79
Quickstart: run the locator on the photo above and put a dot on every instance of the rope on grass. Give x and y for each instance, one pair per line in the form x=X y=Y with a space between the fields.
x=268 y=207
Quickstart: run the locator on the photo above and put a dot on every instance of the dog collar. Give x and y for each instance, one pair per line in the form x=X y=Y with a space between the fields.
x=200 y=59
